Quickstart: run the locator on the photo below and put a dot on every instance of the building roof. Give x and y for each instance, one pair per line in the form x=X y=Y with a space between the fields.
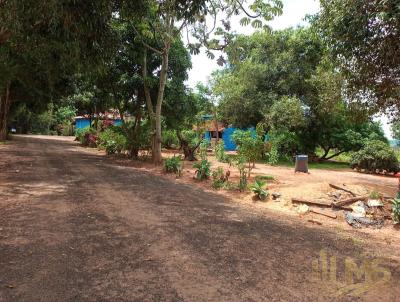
x=210 y=126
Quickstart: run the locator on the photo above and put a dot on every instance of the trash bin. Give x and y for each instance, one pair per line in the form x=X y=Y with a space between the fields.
x=301 y=163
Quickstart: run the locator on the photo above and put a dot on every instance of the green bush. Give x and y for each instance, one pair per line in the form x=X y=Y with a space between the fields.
x=241 y=165
x=258 y=190
x=138 y=137
x=203 y=149
x=218 y=178
x=202 y=169
x=396 y=211
x=375 y=156
x=220 y=154
x=86 y=136
x=169 y=139
x=173 y=165
x=250 y=146
x=112 y=140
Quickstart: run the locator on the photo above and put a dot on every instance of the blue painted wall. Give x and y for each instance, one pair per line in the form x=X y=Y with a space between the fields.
x=117 y=122
x=82 y=123
x=227 y=137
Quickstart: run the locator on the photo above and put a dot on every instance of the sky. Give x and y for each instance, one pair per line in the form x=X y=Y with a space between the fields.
x=293 y=15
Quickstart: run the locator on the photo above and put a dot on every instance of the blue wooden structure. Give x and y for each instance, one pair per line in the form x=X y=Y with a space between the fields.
x=227 y=137
x=82 y=122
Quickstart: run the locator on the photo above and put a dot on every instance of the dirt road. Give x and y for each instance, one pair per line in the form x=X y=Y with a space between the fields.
x=76 y=226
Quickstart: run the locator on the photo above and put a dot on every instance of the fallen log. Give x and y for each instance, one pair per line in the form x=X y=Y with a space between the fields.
x=333 y=216
x=344 y=202
x=314 y=221
x=342 y=189
x=325 y=204
x=319 y=203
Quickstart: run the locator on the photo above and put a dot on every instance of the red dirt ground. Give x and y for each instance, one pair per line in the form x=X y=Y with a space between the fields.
x=78 y=226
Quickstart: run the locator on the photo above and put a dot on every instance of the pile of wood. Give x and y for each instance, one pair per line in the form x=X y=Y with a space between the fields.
x=345 y=199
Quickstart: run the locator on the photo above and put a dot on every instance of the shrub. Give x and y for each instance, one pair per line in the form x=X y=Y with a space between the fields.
x=374 y=195
x=202 y=169
x=219 y=178
x=138 y=137
x=220 y=154
x=249 y=145
x=169 y=139
x=257 y=189
x=203 y=149
x=241 y=165
x=396 y=210
x=375 y=156
x=112 y=140
x=189 y=141
x=87 y=136
x=173 y=165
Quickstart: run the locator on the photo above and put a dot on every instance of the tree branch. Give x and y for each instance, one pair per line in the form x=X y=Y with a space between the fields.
x=145 y=44
x=244 y=10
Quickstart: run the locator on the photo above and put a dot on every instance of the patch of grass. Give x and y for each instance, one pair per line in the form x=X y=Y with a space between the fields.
x=326 y=165
x=265 y=177
x=344 y=157
x=329 y=165
x=3 y=142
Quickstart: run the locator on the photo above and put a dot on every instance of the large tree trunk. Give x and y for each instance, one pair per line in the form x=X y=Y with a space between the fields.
x=155 y=115
x=4 y=109
x=188 y=151
x=157 y=157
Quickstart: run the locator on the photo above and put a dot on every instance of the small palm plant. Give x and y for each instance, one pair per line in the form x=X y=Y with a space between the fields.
x=203 y=169
x=258 y=190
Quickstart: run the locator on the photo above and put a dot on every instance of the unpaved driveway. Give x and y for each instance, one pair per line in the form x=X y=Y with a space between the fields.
x=76 y=226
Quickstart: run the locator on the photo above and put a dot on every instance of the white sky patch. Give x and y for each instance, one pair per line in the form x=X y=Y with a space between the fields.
x=294 y=12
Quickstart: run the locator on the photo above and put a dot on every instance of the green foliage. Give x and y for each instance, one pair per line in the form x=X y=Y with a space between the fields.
x=169 y=139
x=258 y=190
x=273 y=156
x=112 y=140
x=203 y=169
x=138 y=137
x=362 y=37
x=87 y=136
x=396 y=210
x=250 y=146
x=203 y=149
x=240 y=163
x=174 y=165
x=375 y=156
x=286 y=113
x=220 y=154
x=374 y=195
x=265 y=177
x=395 y=128
x=219 y=178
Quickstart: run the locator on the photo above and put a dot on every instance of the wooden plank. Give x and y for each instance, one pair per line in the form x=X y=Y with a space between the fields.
x=341 y=203
x=319 y=212
x=342 y=189
x=326 y=204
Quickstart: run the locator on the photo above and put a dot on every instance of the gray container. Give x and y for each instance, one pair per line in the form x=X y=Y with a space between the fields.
x=301 y=163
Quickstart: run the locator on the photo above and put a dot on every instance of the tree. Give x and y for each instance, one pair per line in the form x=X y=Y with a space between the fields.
x=265 y=67
x=363 y=37
x=165 y=21
x=287 y=80
x=43 y=43
x=395 y=128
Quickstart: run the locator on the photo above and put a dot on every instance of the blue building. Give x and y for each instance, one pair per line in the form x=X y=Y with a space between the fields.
x=82 y=122
x=224 y=133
